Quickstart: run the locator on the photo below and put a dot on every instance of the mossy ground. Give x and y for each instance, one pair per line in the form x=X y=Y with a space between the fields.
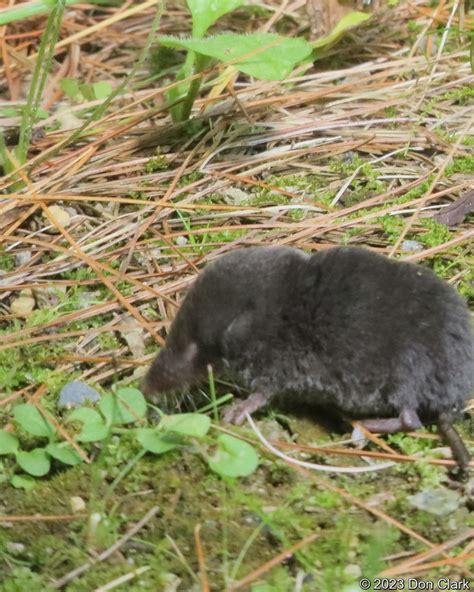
x=244 y=523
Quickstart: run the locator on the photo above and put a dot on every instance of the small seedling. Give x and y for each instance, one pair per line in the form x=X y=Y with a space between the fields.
x=31 y=112
x=232 y=457
x=119 y=413
x=85 y=90
x=36 y=462
x=265 y=56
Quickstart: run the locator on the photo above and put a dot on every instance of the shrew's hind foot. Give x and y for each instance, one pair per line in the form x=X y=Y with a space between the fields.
x=407 y=421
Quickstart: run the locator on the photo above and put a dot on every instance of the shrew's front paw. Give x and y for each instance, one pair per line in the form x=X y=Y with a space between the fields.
x=235 y=413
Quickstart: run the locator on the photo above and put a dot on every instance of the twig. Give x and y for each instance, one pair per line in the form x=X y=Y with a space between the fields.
x=75 y=573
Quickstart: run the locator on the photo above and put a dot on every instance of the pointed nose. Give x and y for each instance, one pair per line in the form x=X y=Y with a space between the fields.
x=172 y=371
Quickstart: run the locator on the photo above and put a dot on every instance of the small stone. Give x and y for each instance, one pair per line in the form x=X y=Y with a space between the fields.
x=273 y=430
x=77 y=504
x=353 y=571
x=60 y=215
x=135 y=338
x=436 y=501
x=181 y=241
x=378 y=499
x=139 y=373
x=23 y=305
x=87 y=299
x=15 y=548
x=348 y=157
x=67 y=121
x=22 y=258
x=48 y=297
x=170 y=582
x=411 y=245
x=235 y=196
x=94 y=521
x=76 y=393
x=358 y=438
x=442 y=452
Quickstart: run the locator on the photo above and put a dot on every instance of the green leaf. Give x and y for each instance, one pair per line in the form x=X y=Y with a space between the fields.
x=31 y=420
x=273 y=56
x=188 y=424
x=23 y=482
x=348 y=21
x=26 y=9
x=70 y=87
x=206 y=12
x=42 y=114
x=93 y=426
x=35 y=463
x=85 y=415
x=102 y=89
x=87 y=91
x=8 y=443
x=10 y=112
x=93 y=432
x=233 y=458
x=126 y=406
x=64 y=452
x=154 y=441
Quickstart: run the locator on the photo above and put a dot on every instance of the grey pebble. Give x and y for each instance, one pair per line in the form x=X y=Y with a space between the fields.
x=436 y=501
x=411 y=245
x=76 y=393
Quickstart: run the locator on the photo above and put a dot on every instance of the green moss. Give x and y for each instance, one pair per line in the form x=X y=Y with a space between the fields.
x=351 y=233
x=190 y=178
x=80 y=274
x=297 y=214
x=458 y=262
x=416 y=192
x=23 y=578
x=390 y=111
x=264 y=197
x=462 y=164
x=7 y=261
x=325 y=499
x=460 y=95
x=430 y=475
x=21 y=366
x=108 y=341
x=42 y=316
x=138 y=195
x=392 y=227
x=159 y=163
x=435 y=234
x=365 y=183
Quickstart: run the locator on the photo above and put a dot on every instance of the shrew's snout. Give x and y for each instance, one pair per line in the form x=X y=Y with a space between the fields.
x=171 y=371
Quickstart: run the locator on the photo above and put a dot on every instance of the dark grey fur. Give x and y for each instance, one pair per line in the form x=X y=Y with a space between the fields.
x=344 y=328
